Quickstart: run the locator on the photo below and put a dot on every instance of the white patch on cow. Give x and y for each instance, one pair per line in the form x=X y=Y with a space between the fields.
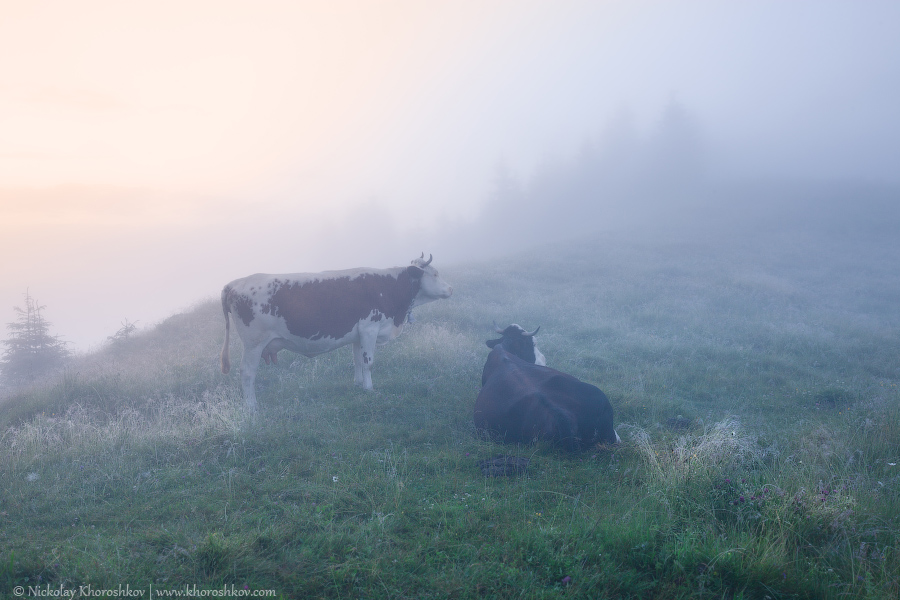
x=538 y=357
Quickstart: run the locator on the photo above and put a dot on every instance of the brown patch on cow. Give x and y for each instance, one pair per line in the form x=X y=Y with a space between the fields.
x=332 y=307
x=244 y=307
x=239 y=303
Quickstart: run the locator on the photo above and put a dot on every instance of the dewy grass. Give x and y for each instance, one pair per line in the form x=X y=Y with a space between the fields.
x=756 y=395
x=724 y=447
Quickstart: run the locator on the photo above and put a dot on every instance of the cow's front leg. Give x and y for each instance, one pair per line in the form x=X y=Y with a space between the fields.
x=357 y=364
x=364 y=355
x=249 y=366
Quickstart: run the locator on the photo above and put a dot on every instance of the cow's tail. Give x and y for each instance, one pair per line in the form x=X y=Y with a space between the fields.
x=226 y=360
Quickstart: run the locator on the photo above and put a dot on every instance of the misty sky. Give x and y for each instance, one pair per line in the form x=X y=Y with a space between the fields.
x=153 y=151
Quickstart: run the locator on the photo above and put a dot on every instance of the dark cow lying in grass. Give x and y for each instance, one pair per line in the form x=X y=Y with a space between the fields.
x=521 y=400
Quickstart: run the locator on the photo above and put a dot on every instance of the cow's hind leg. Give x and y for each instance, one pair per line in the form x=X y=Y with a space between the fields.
x=249 y=366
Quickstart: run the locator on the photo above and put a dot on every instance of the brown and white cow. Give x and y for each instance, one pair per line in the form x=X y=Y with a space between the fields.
x=312 y=313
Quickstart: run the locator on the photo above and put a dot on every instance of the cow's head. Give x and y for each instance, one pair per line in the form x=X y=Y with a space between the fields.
x=431 y=286
x=517 y=341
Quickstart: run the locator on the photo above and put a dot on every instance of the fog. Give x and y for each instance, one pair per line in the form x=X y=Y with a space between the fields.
x=148 y=159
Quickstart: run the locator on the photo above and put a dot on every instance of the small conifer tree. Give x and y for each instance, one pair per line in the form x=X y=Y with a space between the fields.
x=31 y=351
x=124 y=334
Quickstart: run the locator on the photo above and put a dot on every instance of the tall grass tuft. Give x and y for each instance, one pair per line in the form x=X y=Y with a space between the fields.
x=722 y=448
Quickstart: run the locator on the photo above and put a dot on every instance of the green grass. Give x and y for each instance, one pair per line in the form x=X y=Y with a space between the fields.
x=755 y=389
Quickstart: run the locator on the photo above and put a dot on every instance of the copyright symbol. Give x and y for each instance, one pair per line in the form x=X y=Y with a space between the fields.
x=19 y=590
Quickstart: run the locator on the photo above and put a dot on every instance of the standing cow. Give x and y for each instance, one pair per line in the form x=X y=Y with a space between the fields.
x=522 y=400
x=312 y=313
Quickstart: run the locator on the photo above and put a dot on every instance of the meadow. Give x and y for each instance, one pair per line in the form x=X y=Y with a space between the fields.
x=755 y=387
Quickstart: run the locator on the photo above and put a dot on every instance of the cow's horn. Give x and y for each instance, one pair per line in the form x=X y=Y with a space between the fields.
x=497 y=327
x=532 y=333
x=430 y=258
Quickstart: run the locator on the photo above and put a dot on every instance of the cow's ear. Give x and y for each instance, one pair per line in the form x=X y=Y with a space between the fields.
x=415 y=272
x=492 y=343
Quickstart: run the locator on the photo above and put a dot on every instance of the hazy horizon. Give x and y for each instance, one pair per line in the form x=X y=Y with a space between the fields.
x=152 y=153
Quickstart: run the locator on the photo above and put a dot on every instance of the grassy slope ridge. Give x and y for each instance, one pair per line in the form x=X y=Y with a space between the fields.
x=755 y=389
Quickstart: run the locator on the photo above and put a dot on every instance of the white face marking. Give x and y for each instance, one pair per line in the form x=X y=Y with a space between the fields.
x=433 y=287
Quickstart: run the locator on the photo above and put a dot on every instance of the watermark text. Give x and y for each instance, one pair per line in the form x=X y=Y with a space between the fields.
x=127 y=591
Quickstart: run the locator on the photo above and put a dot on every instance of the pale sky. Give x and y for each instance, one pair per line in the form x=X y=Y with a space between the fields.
x=150 y=152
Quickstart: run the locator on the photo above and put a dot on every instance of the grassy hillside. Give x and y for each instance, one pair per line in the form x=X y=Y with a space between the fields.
x=755 y=389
